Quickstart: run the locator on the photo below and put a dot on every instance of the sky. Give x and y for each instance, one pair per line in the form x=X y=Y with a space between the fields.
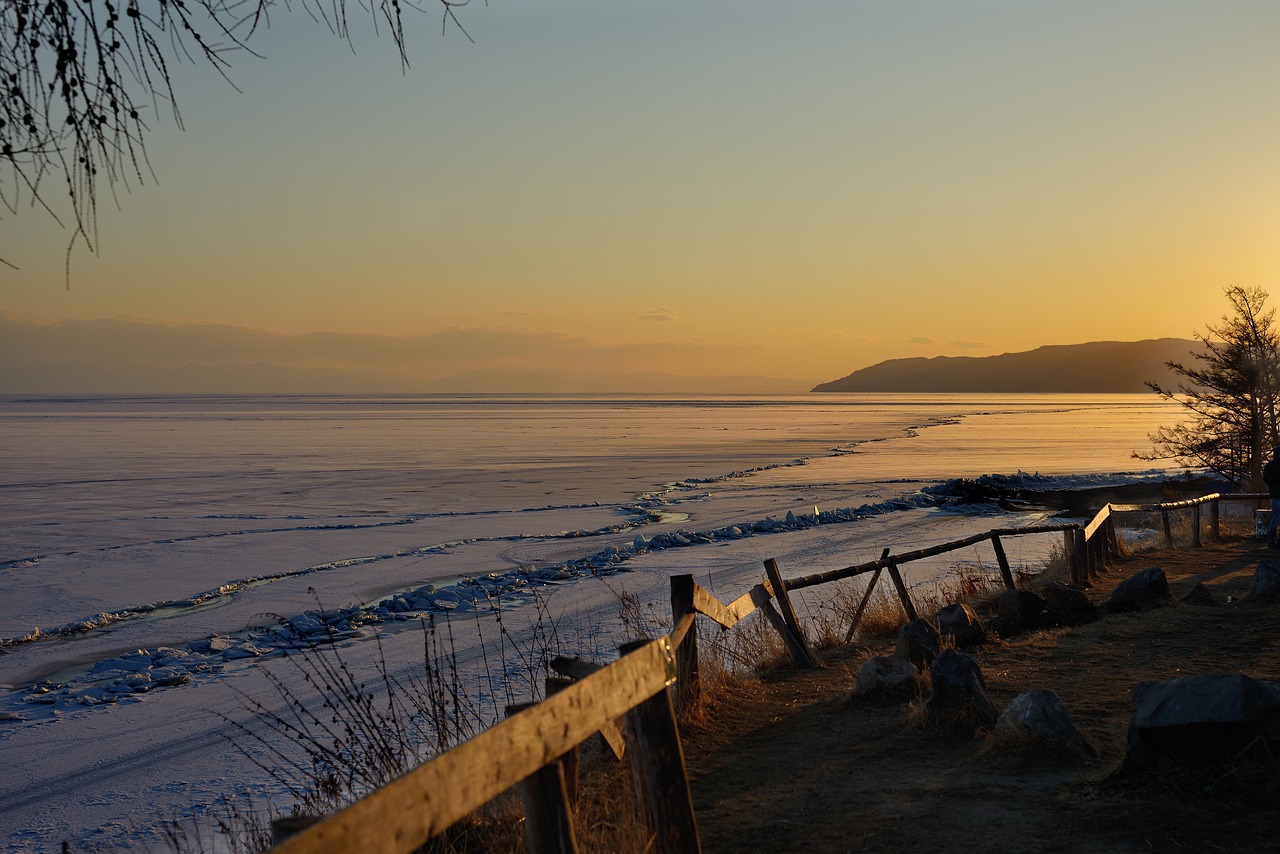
x=713 y=188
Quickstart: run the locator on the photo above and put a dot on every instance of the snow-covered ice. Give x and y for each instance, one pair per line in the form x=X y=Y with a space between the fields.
x=150 y=548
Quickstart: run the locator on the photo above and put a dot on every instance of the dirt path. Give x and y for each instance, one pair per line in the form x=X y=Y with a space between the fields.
x=790 y=764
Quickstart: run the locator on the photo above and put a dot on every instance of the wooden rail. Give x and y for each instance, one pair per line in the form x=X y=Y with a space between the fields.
x=534 y=748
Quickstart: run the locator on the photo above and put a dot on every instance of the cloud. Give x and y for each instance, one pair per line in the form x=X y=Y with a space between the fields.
x=658 y=315
x=133 y=341
x=924 y=341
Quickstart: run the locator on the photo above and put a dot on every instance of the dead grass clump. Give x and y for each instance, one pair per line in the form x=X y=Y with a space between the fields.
x=966 y=721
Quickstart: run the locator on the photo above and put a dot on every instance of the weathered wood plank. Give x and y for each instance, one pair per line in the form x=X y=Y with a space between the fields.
x=407 y=812
x=705 y=603
x=1098 y=521
x=744 y=604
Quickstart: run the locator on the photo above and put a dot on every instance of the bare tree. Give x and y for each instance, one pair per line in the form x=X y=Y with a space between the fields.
x=1230 y=396
x=82 y=78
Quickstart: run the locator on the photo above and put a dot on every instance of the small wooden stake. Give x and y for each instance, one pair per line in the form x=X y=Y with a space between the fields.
x=1168 y=532
x=1215 y=526
x=657 y=768
x=1195 y=526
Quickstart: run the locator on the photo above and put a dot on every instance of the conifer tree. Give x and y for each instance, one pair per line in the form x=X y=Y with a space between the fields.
x=1229 y=395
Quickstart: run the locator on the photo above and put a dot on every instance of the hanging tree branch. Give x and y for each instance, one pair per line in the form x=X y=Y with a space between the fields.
x=81 y=77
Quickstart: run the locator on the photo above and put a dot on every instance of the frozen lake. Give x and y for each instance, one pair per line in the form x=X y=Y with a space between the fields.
x=158 y=523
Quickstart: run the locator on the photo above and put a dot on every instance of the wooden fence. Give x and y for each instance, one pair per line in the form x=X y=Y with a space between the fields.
x=632 y=703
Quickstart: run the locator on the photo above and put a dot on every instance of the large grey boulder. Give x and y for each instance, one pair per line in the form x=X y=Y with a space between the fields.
x=887 y=676
x=1266 y=580
x=1141 y=588
x=959 y=693
x=1038 y=716
x=1201 y=717
x=961 y=623
x=918 y=642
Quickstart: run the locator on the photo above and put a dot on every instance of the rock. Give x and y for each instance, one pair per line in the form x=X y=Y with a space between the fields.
x=1068 y=606
x=1149 y=585
x=1198 y=595
x=959 y=692
x=1019 y=606
x=1266 y=580
x=918 y=642
x=1041 y=715
x=1201 y=717
x=886 y=675
x=961 y=624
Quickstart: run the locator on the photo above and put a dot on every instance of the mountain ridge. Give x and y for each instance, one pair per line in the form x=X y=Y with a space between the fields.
x=1092 y=367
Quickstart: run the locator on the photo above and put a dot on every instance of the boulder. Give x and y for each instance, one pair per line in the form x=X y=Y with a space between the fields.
x=1198 y=595
x=1266 y=580
x=1040 y=715
x=961 y=624
x=888 y=676
x=959 y=693
x=1068 y=606
x=1211 y=717
x=918 y=642
x=1149 y=585
x=1019 y=606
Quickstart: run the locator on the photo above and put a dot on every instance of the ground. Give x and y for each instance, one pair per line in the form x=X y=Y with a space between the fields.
x=791 y=763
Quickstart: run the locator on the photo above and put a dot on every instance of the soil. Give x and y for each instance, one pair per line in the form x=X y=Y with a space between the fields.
x=793 y=762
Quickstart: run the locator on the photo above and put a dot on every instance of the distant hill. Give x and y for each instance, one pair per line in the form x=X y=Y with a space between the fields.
x=1101 y=366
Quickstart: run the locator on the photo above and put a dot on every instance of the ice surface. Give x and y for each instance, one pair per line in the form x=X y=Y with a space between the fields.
x=159 y=540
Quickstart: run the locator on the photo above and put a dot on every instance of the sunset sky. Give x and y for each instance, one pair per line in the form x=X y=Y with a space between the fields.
x=789 y=190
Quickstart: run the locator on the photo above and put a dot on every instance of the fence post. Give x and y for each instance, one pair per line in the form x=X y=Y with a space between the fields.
x=1080 y=569
x=569 y=761
x=688 y=685
x=788 y=613
x=1215 y=520
x=1069 y=552
x=907 y=607
x=1195 y=526
x=1113 y=542
x=1168 y=532
x=548 y=819
x=866 y=597
x=657 y=768
x=1003 y=560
